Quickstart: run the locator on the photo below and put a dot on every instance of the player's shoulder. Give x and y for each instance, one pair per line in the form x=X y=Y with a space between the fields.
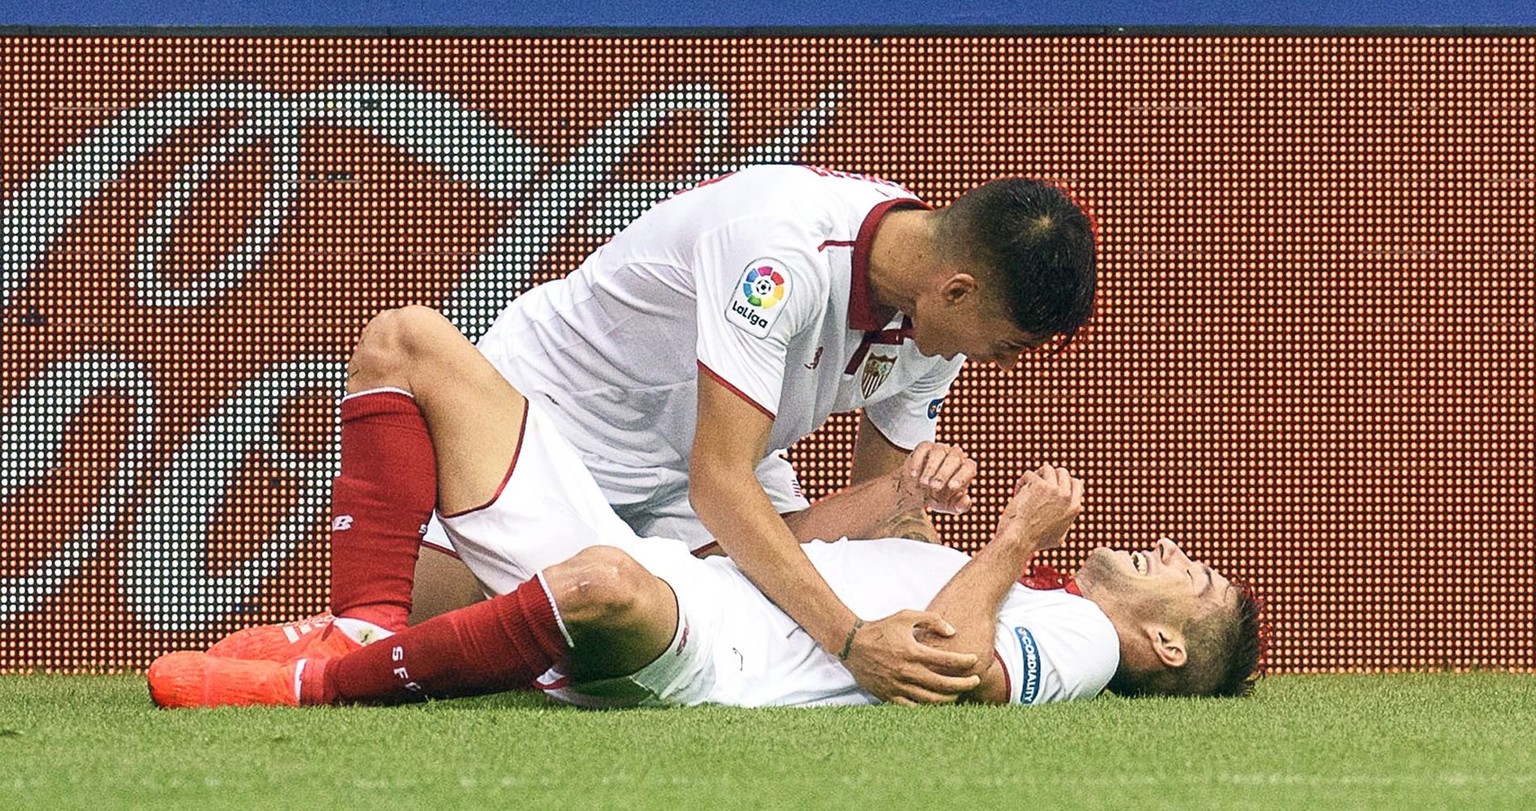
x=1058 y=646
x=1086 y=644
x=782 y=217
x=1077 y=616
x=1062 y=607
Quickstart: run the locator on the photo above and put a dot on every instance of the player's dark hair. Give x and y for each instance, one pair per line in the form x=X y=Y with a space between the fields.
x=1037 y=242
x=1232 y=648
x=1226 y=652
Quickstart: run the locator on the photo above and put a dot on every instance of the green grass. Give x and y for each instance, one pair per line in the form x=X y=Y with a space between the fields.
x=1310 y=742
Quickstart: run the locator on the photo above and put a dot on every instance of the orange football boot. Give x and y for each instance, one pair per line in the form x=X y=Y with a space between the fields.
x=312 y=636
x=195 y=679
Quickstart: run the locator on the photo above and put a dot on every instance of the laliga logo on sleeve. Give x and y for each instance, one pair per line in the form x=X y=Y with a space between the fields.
x=764 y=286
x=754 y=306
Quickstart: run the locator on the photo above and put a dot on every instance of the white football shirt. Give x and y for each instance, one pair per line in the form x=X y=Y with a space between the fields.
x=759 y=279
x=1053 y=646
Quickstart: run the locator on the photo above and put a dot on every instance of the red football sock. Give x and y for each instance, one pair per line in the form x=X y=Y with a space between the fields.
x=504 y=643
x=380 y=505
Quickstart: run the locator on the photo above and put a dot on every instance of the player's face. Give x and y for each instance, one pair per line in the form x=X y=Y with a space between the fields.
x=967 y=323
x=1161 y=583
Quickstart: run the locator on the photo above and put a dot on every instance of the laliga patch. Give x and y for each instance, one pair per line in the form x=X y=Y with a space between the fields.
x=933 y=408
x=758 y=299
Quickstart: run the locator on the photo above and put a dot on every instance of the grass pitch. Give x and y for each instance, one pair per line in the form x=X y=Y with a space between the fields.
x=1319 y=742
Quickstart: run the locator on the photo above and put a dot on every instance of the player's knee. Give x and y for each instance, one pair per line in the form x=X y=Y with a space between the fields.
x=394 y=341
x=600 y=585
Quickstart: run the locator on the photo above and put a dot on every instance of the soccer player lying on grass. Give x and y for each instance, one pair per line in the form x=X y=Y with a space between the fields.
x=597 y=616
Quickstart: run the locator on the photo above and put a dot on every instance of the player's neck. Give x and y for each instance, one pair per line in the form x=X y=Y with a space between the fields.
x=902 y=258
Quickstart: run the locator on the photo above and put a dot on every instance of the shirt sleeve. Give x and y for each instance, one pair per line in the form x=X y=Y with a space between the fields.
x=757 y=289
x=910 y=417
x=1060 y=652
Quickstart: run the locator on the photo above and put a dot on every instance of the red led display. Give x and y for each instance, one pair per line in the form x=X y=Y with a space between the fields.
x=1312 y=362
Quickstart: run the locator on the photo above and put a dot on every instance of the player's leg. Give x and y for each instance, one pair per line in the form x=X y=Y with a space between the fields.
x=442 y=583
x=429 y=422
x=622 y=614
x=601 y=614
x=620 y=617
x=473 y=415
x=425 y=419
x=503 y=643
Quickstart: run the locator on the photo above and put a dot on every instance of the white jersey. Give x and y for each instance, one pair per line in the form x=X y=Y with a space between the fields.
x=1052 y=645
x=736 y=648
x=759 y=279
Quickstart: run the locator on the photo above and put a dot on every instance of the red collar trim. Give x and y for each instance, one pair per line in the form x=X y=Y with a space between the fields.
x=1044 y=578
x=863 y=315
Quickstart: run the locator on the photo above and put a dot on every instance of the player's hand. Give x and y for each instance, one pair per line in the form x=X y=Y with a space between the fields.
x=1046 y=501
x=887 y=660
x=938 y=477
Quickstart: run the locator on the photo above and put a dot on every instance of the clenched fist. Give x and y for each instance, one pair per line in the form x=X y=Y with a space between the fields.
x=1045 y=503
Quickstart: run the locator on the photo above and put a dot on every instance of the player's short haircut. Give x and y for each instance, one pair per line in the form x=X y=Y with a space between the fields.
x=1037 y=243
x=1225 y=655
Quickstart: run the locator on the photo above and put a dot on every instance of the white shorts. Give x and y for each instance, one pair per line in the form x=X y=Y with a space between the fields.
x=547 y=510
x=671 y=516
x=732 y=647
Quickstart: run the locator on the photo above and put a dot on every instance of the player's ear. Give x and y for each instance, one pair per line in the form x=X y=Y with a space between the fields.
x=958 y=286
x=1168 y=644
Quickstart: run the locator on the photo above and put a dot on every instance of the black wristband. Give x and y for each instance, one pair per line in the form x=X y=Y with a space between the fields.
x=848 y=643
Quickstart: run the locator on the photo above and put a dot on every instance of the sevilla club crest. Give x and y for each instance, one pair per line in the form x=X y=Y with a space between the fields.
x=876 y=369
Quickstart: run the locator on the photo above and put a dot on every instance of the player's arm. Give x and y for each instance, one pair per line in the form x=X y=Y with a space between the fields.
x=874 y=456
x=1038 y=516
x=935 y=476
x=883 y=655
